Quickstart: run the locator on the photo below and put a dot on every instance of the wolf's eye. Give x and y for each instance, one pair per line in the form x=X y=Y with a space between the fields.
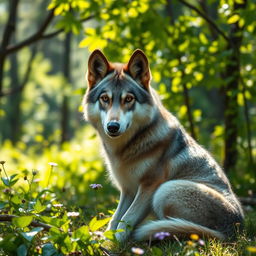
x=128 y=99
x=104 y=98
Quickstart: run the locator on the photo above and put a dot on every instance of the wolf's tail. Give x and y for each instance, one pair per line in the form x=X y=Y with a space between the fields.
x=174 y=226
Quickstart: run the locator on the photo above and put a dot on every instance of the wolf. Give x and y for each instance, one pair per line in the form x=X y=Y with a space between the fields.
x=157 y=166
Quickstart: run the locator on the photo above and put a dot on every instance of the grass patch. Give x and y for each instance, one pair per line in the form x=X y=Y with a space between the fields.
x=48 y=209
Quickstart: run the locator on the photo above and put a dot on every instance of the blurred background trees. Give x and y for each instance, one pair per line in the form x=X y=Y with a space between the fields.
x=201 y=55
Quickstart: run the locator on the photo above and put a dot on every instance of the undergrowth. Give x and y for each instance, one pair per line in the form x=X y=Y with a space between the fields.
x=59 y=203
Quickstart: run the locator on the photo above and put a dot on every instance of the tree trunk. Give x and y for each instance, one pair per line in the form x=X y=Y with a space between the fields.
x=14 y=102
x=9 y=29
x=65 y=115
x=231 y=113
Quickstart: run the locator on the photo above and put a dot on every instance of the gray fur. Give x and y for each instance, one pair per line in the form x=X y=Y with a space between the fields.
x=160 y=169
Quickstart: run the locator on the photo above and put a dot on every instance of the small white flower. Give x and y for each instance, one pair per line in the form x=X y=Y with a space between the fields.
x=58 y=205
x=53 y=164
x=137 y=250
x=73 y=214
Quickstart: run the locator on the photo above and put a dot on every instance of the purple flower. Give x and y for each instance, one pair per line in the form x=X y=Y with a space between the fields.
x=161 y=235
x=96 y=186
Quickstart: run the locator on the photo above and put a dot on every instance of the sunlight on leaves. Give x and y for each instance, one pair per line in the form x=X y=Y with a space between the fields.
x=22 y=221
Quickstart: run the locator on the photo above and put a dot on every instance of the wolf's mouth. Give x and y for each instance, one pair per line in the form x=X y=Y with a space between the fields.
x=113 y=135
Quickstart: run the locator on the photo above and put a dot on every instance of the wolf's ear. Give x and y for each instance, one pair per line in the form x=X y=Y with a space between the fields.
x=98 y=67
x=139 y=69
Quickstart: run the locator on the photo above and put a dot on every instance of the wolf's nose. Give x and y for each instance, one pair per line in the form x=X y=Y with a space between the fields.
x=113 y=127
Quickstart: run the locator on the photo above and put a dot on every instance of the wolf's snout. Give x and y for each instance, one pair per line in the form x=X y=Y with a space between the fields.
x=113 y=127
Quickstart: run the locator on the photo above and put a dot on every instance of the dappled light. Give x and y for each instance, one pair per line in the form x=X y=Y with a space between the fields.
x=56 y=197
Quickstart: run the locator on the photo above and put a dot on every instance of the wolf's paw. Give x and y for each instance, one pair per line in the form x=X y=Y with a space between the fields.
x=121 y=237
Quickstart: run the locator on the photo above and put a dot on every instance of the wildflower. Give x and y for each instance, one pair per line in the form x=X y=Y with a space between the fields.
x=194 y=237
x=58 y=205
x=190 y=243
x=201 y=242
x=73 y=214
x=161 y=235
x=53 y=164
x=96 y=186
x=99 y=234
x=251 y=249
x=137 y=250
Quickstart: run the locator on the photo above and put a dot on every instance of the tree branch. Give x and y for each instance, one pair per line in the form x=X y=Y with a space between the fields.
x=34 y=223
x=26 y=76
x=207 y=19
x=40 y=34
x=10 y=26
x=35 y=37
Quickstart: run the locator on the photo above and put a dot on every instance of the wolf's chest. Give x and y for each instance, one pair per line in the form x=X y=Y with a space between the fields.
x=128 y=175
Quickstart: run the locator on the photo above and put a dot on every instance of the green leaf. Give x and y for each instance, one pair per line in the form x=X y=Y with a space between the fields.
x=13 y=176
x=6 y=181
x=53 y=221
x=23 y=221
x=156 y=251
x=15 y=199
x=49 y=250
x=22 y=250
x=2 y=205
x=203 y=38
x=233 y=19
x=97 y=224
x=66 y=245
x=38 y=207
x=82 y=233
x=31 y=234
x=110 y=234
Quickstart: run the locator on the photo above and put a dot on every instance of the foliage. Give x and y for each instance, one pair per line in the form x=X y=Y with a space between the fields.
x=39 y=220
x=190 y=51
x=45 y=218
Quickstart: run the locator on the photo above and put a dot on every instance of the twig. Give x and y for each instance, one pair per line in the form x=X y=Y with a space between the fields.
x=208 y=19
x=34 y=223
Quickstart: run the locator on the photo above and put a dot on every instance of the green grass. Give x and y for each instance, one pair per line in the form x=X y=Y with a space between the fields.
x=245 y=244
x=61 y=197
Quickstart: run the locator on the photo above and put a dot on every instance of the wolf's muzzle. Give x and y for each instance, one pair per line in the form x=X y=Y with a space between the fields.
x=113 y=128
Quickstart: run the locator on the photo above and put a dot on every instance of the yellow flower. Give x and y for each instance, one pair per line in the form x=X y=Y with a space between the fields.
x=190 y=243
x=251 y=249
x=194 y=237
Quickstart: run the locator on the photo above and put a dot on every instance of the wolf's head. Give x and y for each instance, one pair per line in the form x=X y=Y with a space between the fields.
x=118 y=97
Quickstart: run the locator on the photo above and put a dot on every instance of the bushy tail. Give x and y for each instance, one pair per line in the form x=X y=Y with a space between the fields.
x=174 y=226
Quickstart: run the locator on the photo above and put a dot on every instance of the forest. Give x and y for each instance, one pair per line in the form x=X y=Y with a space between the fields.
x=55 y=197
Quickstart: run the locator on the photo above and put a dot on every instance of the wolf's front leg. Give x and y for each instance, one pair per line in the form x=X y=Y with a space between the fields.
x=138 y=210
x=124 y=203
